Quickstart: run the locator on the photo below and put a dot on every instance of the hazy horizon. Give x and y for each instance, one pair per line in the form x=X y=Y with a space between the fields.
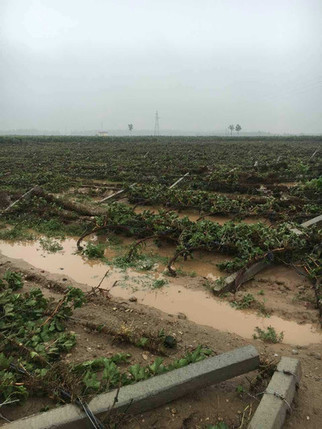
x=86 y=65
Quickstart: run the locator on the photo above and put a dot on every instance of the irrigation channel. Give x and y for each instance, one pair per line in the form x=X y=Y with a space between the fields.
x=197 y=304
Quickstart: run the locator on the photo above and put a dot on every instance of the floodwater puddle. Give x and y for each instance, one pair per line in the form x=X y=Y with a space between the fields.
x=76 y=266
x=198 y=305
x=202 y=308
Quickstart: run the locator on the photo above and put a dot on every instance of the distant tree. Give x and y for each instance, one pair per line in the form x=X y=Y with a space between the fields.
x=130 y=127
x=231 y=128
x=238 y=128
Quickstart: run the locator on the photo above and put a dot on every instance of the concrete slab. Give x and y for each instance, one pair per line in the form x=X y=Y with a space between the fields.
x=151 y=393
x=278 y=397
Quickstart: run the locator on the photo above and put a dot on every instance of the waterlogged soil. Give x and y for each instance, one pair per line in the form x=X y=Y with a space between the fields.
x=195 y=215
x=206 y=406
x=186 y=294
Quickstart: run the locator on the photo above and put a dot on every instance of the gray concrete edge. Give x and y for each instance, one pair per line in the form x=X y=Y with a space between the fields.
x=149 y=394
x=278 y=396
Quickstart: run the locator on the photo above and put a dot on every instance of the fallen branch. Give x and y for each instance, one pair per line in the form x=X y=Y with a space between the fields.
x=176 y=256
x=58 y=307
x=97 y=229
x=97 y=288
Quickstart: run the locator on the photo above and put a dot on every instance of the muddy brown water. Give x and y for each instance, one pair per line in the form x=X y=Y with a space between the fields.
x=198 y=305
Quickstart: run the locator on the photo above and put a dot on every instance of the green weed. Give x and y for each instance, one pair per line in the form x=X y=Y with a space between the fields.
x=244 y=303
x=268 y=336
x=159 y=283
x=94 y=251
x=50 y=245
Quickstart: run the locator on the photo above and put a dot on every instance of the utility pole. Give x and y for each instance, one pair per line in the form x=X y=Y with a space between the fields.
x=156 y=124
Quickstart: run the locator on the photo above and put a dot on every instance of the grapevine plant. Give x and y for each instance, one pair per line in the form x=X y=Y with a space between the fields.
x=34 y=341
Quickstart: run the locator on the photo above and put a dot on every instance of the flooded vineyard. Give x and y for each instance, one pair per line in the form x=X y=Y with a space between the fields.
x=196 y=303
x=117 y=265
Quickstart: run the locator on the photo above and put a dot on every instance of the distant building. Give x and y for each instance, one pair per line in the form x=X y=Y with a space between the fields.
x=102 y=133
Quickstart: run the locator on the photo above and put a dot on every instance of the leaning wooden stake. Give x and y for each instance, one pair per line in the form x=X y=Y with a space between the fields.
x=19 y=199
x=178 y=181
x=115 y=194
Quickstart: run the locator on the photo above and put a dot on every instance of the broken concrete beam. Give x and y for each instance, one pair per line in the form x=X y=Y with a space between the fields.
x=315 y=221
x=178 y=181
x=151 y=393
x=19 y=199
x=230 y=281
x=313 y=155
x=278 y=397
x=225 y=286
x=115 y=194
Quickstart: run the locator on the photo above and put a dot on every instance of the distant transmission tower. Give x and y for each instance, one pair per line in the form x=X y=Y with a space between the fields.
x=156 y=124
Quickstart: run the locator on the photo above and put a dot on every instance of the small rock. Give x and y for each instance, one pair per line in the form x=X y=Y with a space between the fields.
x=316 y=355
x=170 y=342
x=133 y=299
x=182 y=316
x=145 y=357
x=295 y=352
x=173 y=411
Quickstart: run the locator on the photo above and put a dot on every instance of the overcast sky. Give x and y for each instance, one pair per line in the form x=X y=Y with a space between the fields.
x=203 y=64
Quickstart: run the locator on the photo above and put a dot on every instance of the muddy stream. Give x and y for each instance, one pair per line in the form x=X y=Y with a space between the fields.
x=198 y=305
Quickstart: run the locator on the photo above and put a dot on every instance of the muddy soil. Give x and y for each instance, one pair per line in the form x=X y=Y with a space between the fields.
x=208 y=406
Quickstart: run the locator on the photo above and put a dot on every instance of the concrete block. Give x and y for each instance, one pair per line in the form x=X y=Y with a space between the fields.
x=151 y=393
x=278 y=397
x=229 y=283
